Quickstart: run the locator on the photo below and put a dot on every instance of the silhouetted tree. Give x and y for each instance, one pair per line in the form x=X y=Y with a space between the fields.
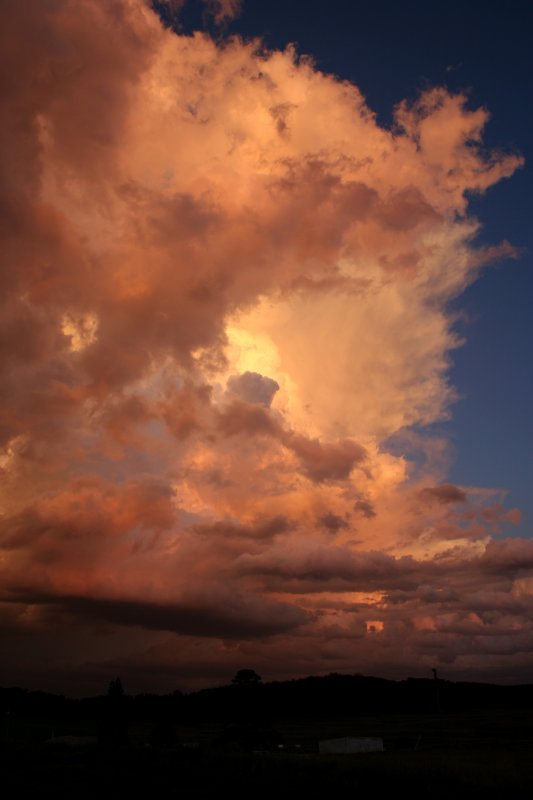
x=113 y=726
x=115 y=689
x=246 y=677
x=247 y=697
x=437 y=689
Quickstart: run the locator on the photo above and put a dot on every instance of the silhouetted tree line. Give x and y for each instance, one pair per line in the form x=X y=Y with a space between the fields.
x=249 y=701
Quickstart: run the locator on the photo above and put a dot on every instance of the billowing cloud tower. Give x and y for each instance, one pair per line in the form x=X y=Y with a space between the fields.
x=225 y=292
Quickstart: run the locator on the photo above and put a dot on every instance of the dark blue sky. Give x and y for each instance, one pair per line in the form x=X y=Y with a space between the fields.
x=391 y=51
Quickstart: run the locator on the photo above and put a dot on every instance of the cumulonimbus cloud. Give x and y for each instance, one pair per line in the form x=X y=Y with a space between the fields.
x=226 y=287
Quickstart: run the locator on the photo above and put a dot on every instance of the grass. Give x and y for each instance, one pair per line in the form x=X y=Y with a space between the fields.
x=468 y=754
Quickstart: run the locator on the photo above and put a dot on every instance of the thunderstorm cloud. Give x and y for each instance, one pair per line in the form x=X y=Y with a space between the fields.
x=226 y=286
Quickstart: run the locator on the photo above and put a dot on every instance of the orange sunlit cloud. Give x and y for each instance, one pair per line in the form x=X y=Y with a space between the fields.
x=227 y=289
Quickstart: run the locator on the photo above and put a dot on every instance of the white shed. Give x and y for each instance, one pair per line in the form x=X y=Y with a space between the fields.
x=350 y=744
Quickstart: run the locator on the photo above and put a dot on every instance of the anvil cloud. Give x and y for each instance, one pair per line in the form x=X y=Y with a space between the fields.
x=225 y=288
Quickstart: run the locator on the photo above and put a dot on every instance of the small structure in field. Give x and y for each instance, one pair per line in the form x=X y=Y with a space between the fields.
x=350 y=744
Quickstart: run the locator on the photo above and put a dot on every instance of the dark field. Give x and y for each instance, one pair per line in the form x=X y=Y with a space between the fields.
x=477 y=753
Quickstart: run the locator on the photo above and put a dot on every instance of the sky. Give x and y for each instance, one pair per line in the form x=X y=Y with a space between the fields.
x=266 y=342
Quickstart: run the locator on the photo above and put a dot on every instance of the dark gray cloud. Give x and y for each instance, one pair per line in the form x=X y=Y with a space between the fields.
x=253 y=388
x=224 y=615
x=365 y=508
x=332 y=522
x=445 y=493
x=261 y=530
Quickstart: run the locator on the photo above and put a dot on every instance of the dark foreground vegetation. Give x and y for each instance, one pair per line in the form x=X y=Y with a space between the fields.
x=249 y=739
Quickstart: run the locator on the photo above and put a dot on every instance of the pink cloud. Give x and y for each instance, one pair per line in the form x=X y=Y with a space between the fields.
x=227 y=287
